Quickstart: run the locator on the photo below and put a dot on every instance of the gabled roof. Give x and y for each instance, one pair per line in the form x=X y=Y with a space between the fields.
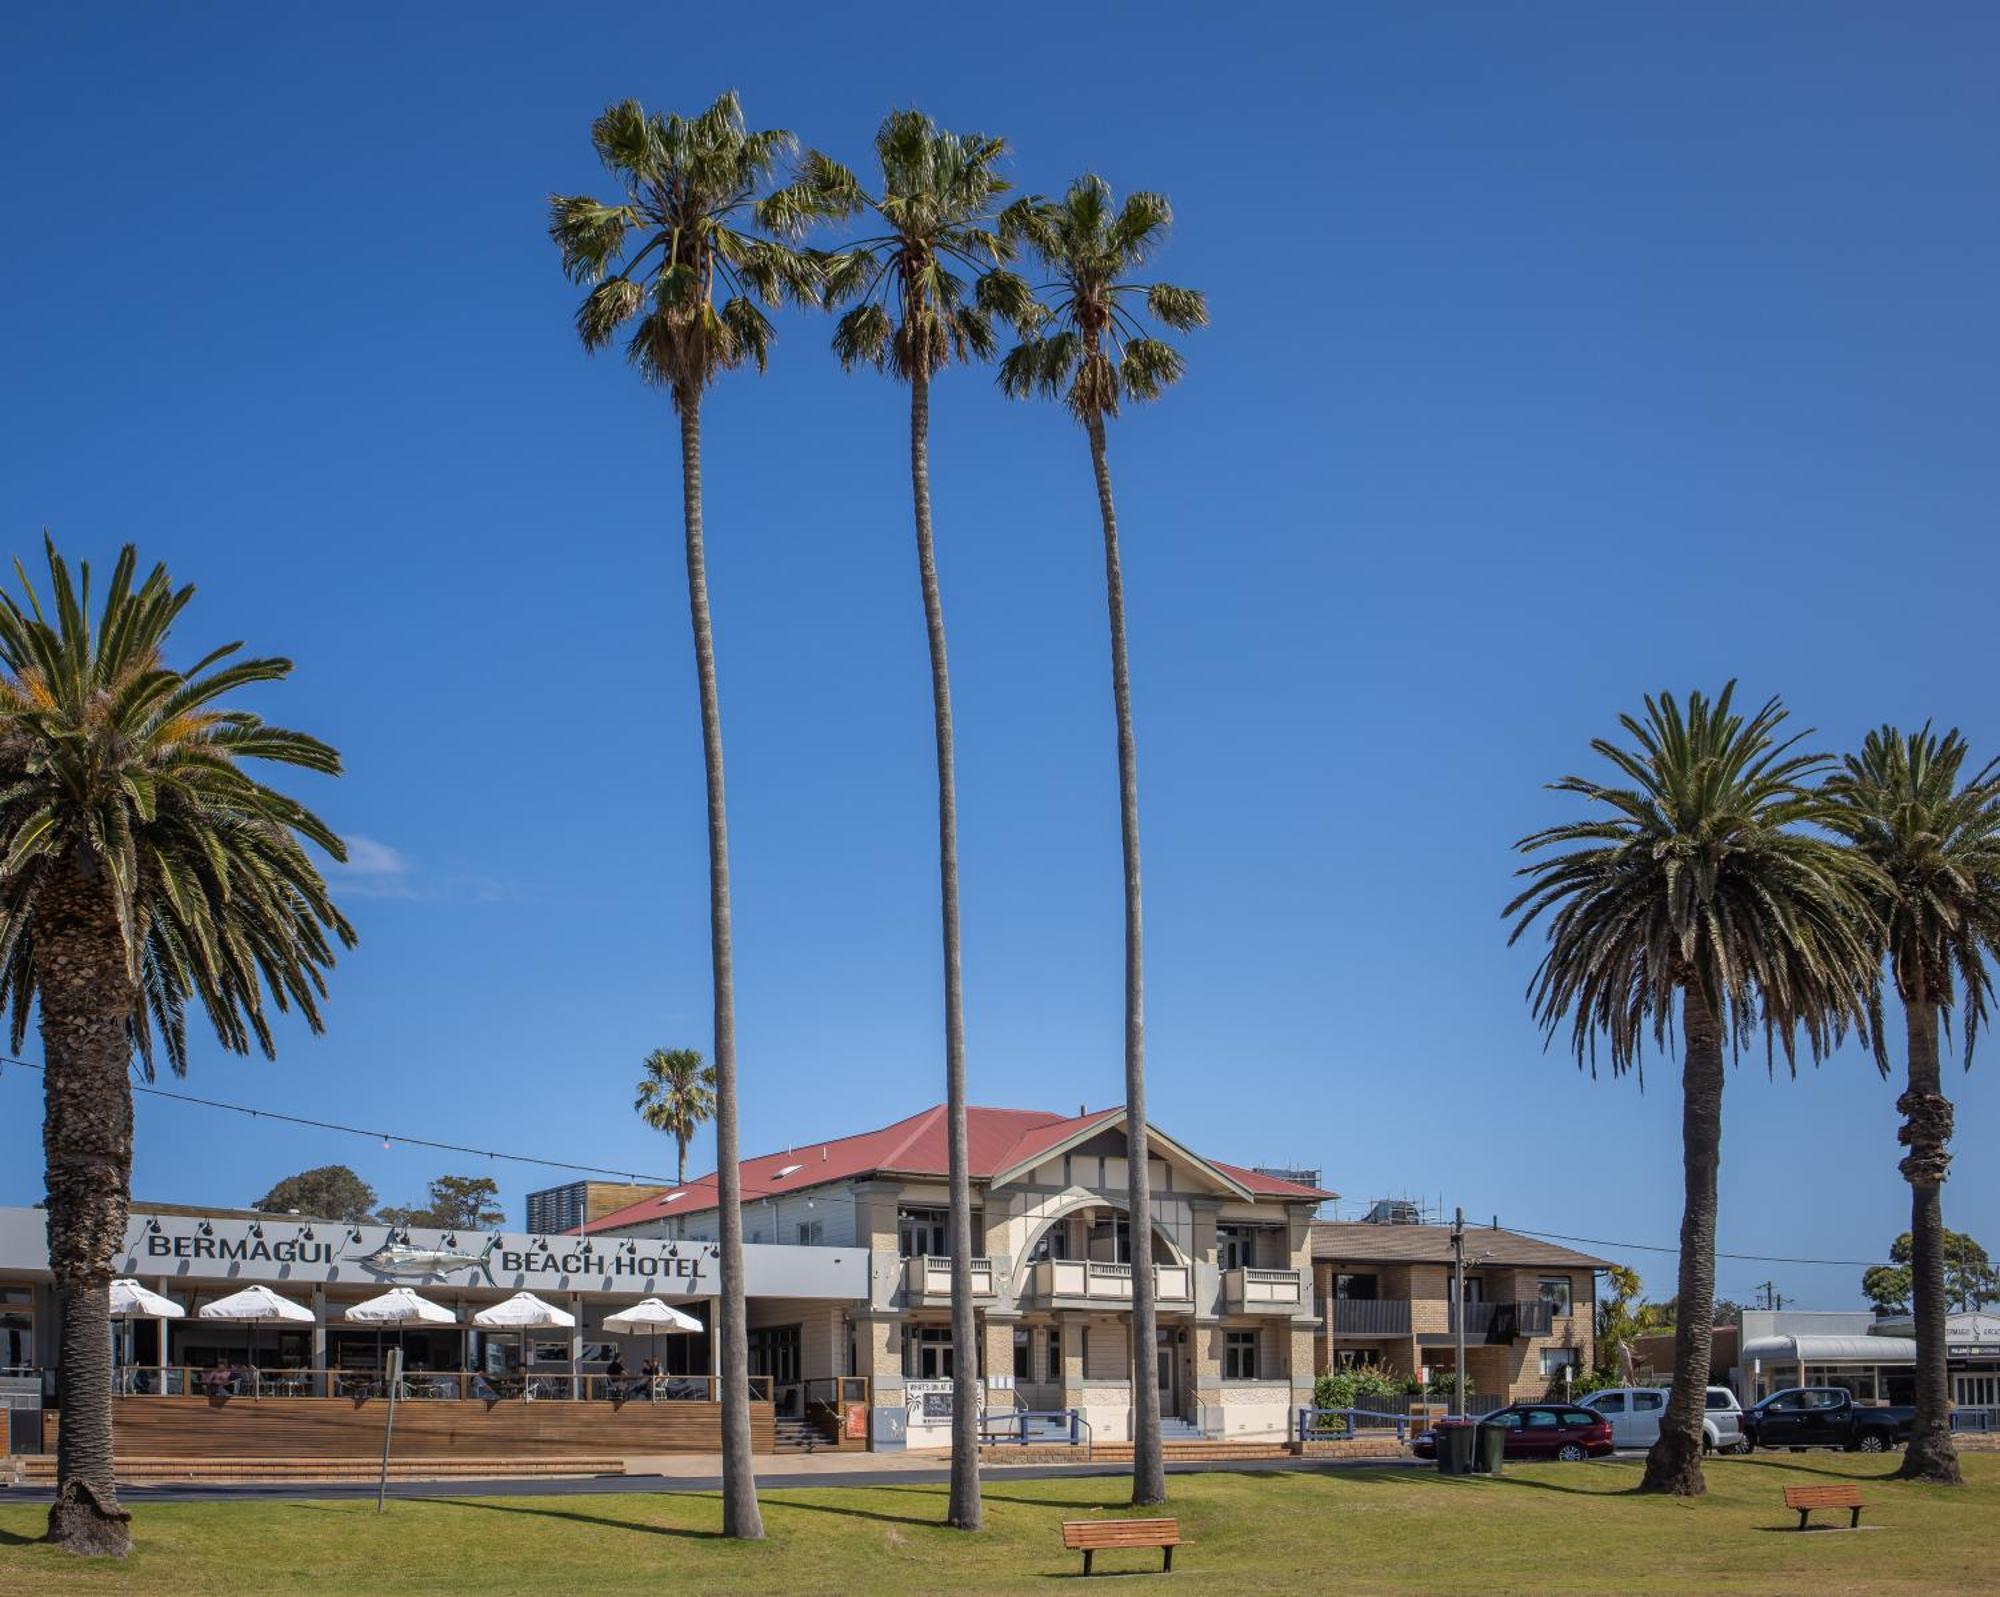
x=999 y=1142
x=1365 y=1241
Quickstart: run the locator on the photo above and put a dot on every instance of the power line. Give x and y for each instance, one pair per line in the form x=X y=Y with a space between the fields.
x=384 y=1137
x=1654 y=1247
x=387 y=1137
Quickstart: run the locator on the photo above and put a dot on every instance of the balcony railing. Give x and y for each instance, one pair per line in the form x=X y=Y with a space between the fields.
x=929 y=1275
x=1091 y=1280
x=1282 y=1290
x=1369 y=1316
x=1504 y=1322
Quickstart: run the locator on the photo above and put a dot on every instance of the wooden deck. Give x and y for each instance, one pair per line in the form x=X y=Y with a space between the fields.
x=333 y=1428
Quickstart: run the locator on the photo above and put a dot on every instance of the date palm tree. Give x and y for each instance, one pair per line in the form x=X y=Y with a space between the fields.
x=141 y=868
x=1697 y=886
x=674 y=259
x=1093 y=351
x=676 y=1095
x=922 y=290
x=1905 y=804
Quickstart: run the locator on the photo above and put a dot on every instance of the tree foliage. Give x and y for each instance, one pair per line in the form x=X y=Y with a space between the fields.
x=925 y=284
x=676 y=1095
x=1970 y=1279
x=1707 y=872
x=1933 y=836
x=114 y=763
x=456 y=1203
x=1092 y=348
x=328 y=1192
x=674 y=256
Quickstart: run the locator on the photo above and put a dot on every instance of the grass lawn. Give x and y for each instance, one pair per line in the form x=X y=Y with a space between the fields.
x=1539 y=1528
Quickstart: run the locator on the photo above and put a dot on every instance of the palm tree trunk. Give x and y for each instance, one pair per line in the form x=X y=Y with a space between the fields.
x=1149 y=1475
x=1674 y=1464
x=681 y=1162
x=1926 y=1131
x=87 y=1139
x=964 y=1511
x=740 y=1515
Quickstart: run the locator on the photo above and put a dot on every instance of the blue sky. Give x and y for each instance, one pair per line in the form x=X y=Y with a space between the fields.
x=1559 y=354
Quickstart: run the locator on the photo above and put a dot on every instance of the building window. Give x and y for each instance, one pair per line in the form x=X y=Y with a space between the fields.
x=17 y=1329
x=1236 y=1247
x=921 y=1233
x=1051 y=1244
x=1356 y=1288
x=810 y=1233
x=1024 y=1369
x=1554 y=1290
x=1239 y=1356
x=1110 y=1240
x=1557 y=1359
x=927 y=1353
x=1475 y=1289
x=1055 y=1355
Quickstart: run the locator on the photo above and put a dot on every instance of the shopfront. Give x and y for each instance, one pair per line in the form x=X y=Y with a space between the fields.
x=653 y=1384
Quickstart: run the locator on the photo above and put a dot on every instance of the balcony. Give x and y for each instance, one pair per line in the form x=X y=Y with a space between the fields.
x=1263 y=1291
x=1086 y=1281
x=1504 y=1322
x=1369 y=1316
x=927 y=1278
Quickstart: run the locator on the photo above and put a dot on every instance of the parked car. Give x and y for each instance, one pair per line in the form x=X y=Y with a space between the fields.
x=1635 y=1413
x=1826 y=1416
x=1565 y=1431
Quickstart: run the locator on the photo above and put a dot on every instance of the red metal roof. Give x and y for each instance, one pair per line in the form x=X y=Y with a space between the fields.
x=996 y=1140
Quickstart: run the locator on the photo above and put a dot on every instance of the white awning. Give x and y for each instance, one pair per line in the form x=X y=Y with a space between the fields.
x=131 y=1301
x=1828 y=1350
x=400 y=1307
x=524 y=1311
x=255 y=1303
x=651 y=1316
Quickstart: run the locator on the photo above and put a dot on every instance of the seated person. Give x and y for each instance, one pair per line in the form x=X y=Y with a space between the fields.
x=649 y=1376
x=615 y=1377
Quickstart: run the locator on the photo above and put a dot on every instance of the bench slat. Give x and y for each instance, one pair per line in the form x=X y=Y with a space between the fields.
x=1823 y=1496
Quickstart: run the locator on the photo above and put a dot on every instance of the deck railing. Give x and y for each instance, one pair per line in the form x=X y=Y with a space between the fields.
x=1369 y=1316
x=1266 y=1289
x=1503 y=1322
x=930 y=1275
x=1111 y=1283
x=361 y=1385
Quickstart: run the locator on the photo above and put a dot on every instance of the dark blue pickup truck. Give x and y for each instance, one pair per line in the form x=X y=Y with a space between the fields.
x=1825 y=1416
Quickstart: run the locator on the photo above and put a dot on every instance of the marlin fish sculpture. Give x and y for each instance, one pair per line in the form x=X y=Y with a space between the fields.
x=399 y=1258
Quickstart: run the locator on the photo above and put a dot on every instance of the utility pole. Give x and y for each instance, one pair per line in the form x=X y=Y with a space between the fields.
x=1773 y=1298
x=1458 y=1308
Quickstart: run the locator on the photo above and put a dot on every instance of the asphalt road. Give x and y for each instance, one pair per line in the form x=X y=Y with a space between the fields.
x=613 y=1485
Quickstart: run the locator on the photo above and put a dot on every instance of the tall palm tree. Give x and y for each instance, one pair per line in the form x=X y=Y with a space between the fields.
x=1933 y=835
x=141 y=868
x=910 y=312
x=676 y=1095
x=1697 y=885
x=1093 y=351
x=674 y=259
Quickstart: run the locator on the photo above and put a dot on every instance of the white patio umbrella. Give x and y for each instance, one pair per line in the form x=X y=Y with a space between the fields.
x=399 y=1307
x=131 y=1301
x=255 y=1306
x=651 y=1317
x=524 y=1312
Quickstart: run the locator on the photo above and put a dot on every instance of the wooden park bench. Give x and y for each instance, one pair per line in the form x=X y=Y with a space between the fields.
x=1090 y=1536
x=1804 y=1499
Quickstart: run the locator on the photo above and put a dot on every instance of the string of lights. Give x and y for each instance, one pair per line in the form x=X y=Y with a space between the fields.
x=391 y=1138
x=386 y=1138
